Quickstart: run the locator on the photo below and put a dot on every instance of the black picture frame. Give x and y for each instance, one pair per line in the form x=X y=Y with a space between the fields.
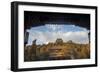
x=14 y=35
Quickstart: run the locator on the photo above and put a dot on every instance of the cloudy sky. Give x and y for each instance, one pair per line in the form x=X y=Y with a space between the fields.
x=50 y=32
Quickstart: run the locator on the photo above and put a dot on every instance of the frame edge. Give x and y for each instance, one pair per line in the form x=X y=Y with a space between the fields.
x=14 y=36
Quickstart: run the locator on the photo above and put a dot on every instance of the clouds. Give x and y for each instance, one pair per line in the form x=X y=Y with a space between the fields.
x=53 y=27
x=49 y=33
x=78 y=36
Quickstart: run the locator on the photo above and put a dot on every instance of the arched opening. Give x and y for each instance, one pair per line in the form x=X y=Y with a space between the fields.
x=59 y=25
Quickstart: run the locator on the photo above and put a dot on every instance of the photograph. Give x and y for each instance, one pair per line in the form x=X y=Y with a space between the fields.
x=56 y=36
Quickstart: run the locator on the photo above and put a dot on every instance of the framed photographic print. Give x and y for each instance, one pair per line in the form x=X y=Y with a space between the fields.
x=52 y=36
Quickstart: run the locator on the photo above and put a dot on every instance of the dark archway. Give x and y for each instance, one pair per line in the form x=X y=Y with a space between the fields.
x=33 y=19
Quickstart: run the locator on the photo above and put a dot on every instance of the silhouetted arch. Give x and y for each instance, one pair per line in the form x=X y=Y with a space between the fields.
x=33 y=19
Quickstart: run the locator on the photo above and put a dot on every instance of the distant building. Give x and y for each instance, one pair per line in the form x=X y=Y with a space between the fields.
x=59 y=40
x=70 y=41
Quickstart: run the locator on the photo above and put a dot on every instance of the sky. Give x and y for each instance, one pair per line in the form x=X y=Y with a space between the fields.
x=50 y=32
